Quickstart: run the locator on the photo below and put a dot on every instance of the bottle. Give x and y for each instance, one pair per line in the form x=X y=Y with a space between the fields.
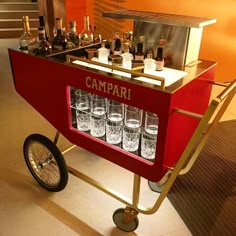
x=44 y=46
x=117 y=47
x=86 y=34
x=103 y=53
x=42 y=24
x=59 y=42
x=159 y=58
x=127 y=59
x=149 y=64
x=72 y=36
x=27 y=41
x=139 y=55
x=149 y=51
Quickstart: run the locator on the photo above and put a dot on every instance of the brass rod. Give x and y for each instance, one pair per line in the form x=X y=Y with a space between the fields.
x=202 y=124
x=188 y=113
x=220 y=83
x=136 y=190
x=68 y=149
x=100 y=186
x=56 y=137
x=226 y=91
x=69 y=59
x=207 y=134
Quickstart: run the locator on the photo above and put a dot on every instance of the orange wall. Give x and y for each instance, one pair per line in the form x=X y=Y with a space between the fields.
x=75 y=10
x=218 y=41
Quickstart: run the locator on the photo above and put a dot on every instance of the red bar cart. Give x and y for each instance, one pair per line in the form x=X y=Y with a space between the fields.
x=182 y=105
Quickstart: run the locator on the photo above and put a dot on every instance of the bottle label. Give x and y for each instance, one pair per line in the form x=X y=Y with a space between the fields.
x=139 y=57
x=160 y=64
x=117 y=53
x=58 y=47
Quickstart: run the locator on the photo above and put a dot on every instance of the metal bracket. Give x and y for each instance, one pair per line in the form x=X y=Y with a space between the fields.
x=129 y=215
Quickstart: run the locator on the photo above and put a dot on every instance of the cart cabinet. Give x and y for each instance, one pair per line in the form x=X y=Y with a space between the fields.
x=46 y=83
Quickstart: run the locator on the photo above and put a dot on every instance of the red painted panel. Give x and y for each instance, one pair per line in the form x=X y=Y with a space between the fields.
x=48 y=93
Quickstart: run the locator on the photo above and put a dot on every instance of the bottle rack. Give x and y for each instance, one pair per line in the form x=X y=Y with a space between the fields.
x=183 y=34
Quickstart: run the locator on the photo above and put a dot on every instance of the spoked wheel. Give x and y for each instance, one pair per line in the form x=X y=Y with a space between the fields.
x=122 y=223
x=45 y=162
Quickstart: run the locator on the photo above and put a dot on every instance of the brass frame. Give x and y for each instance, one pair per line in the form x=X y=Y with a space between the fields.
x=133 y=71
x=133 y=206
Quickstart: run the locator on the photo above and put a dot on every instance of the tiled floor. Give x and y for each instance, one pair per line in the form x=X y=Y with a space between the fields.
x=27 y=209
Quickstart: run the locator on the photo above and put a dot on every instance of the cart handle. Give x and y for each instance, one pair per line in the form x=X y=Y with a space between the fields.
x=70 y=58
x=227 y=90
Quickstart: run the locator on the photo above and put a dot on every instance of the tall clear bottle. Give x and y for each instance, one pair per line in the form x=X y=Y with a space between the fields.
x=59 y=42
x=27 y=40
x=87 y=34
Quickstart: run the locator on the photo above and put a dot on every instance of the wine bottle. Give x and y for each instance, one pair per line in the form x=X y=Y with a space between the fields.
x=159 y=57
x=139 y=55
x=42 y=24
x=86 y=34
x=26 y=40
x=72 y=36
x=117 y=47
x=59 y=42
x=44 y=46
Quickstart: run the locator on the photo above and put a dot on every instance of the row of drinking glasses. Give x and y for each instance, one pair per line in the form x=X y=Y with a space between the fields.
x=118 y=122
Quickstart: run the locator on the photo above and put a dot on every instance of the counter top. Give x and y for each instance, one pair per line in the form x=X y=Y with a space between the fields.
x=179 y=80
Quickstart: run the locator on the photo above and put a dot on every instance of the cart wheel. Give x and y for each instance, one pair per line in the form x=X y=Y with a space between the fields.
x=118 y=217
x=155 y=186
x=45 y=162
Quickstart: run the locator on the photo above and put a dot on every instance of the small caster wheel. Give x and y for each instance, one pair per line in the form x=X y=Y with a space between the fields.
x=155 y=186
x=45 y=162
x=119 y=220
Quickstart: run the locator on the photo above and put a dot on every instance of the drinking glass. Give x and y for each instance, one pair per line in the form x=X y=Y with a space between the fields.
x=98 y=116
x=114 y=123
x=131 y=130
x=82 y=103
x=149 y=136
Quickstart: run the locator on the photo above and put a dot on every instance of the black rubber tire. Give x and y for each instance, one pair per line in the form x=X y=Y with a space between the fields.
x=49 y=161
x=155 y=187
x=117 y=219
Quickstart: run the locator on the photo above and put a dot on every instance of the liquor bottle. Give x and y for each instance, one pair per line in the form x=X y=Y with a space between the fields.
x=127 y=59
x=117 y=48
x=27 y=41
x=44 y=46
x=42 y=24
x=149 y=64
x=72 y=36
x=59 y=42
x=103 y=53
x=139 y=55
x=159 y=58
x=86 y=34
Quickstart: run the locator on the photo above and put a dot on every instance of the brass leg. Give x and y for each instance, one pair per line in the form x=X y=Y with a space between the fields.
x=56 y=137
